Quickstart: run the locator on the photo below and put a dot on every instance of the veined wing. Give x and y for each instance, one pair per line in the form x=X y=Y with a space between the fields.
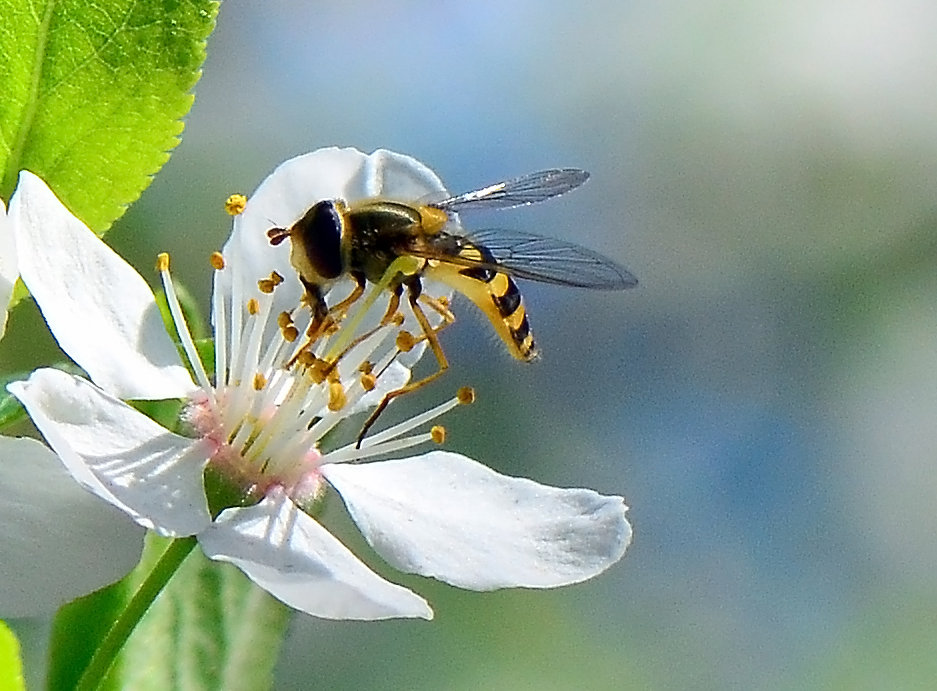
x=526 y=189
x=525 y=255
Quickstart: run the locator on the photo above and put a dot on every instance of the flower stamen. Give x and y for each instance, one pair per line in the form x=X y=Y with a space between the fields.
x=412 y=423
x=182 y=328
x=235 y=204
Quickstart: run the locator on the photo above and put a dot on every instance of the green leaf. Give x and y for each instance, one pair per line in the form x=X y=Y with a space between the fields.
x=94 y=93
x=11 y=667
x=11 y=411
x=77 y=630
x=211 y=628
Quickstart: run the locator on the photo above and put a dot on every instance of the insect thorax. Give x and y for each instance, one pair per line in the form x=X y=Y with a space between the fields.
x=377 y=233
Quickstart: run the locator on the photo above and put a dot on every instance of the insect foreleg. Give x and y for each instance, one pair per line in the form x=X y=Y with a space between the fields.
x=316 y=303
x=341 y=308
x=392 y=306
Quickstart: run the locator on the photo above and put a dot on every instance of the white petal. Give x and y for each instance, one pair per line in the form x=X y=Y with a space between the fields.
x=298 y=561
x=280 y=200
x=119 y=453
x=57 y=540
x=449 y=517
x=100 y=310
x=8 y=268
x=397 y=176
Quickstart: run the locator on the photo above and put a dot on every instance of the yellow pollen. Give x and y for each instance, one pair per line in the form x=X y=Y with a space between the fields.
x=260 y=381
x=336 y=396
x=290 y=333
x=253 y=307
x=217 y=261
x=319 y=370
x=162 y=261
x=235 y=204
x=438 y=434
x=366 y=367
x=266 y=285
x=276 y=278
x=466 y=395
x=405 y=341
x=398 y=319
x=284 y=319
x=443 y=301
x=306 y=358
x=368 y=381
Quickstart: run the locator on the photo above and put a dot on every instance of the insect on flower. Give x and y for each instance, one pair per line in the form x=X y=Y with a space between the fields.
x=396 y=243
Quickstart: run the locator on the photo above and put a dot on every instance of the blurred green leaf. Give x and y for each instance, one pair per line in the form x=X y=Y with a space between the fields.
x=77 y=630
x=10 y=409
x=94 y=93
x=211 y=628
x=11 y=667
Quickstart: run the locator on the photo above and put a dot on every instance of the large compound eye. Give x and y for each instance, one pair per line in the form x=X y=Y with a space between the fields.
x=321 y=232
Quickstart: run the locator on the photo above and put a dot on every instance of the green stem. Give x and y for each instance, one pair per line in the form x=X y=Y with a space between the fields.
x=159 y=576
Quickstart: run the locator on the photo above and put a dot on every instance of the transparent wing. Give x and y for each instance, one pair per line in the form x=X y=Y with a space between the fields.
x=527 y=189
x=529 y=256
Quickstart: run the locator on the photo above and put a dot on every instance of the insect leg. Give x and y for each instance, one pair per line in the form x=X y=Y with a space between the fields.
x=342 y=307
x=392 y=306
x=388 y=317
x=316 y=303
x=321 y=317
x=430 y=334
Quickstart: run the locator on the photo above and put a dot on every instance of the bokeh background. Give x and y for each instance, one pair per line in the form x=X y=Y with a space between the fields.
x=766 y=399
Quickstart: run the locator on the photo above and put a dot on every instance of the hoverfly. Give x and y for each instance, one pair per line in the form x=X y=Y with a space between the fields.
x=363 y=238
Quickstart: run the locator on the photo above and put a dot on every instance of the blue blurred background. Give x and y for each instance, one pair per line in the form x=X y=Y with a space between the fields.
x=766 y=399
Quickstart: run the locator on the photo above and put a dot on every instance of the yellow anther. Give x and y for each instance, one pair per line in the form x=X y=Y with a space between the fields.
x=290 y=333
x=235 y=204
x=366 y=367
x=466 y=395
x=266 y=285
x=305 y=358
x=405 y=341
x=443 y=301
x=217 y=261
x=162 y=261
x=260 y=381
x=397 y=320
x=368 y=381
x=438 y=434
x=316 y=369
x=337 y=398
x=276 y=278
x=284 y=319
x=253 y=307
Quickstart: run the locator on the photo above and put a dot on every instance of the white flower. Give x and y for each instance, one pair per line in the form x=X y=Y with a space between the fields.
x=43 y=566
x=258 y=424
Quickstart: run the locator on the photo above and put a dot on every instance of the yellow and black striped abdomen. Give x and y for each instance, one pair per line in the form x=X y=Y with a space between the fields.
x=497 y=296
